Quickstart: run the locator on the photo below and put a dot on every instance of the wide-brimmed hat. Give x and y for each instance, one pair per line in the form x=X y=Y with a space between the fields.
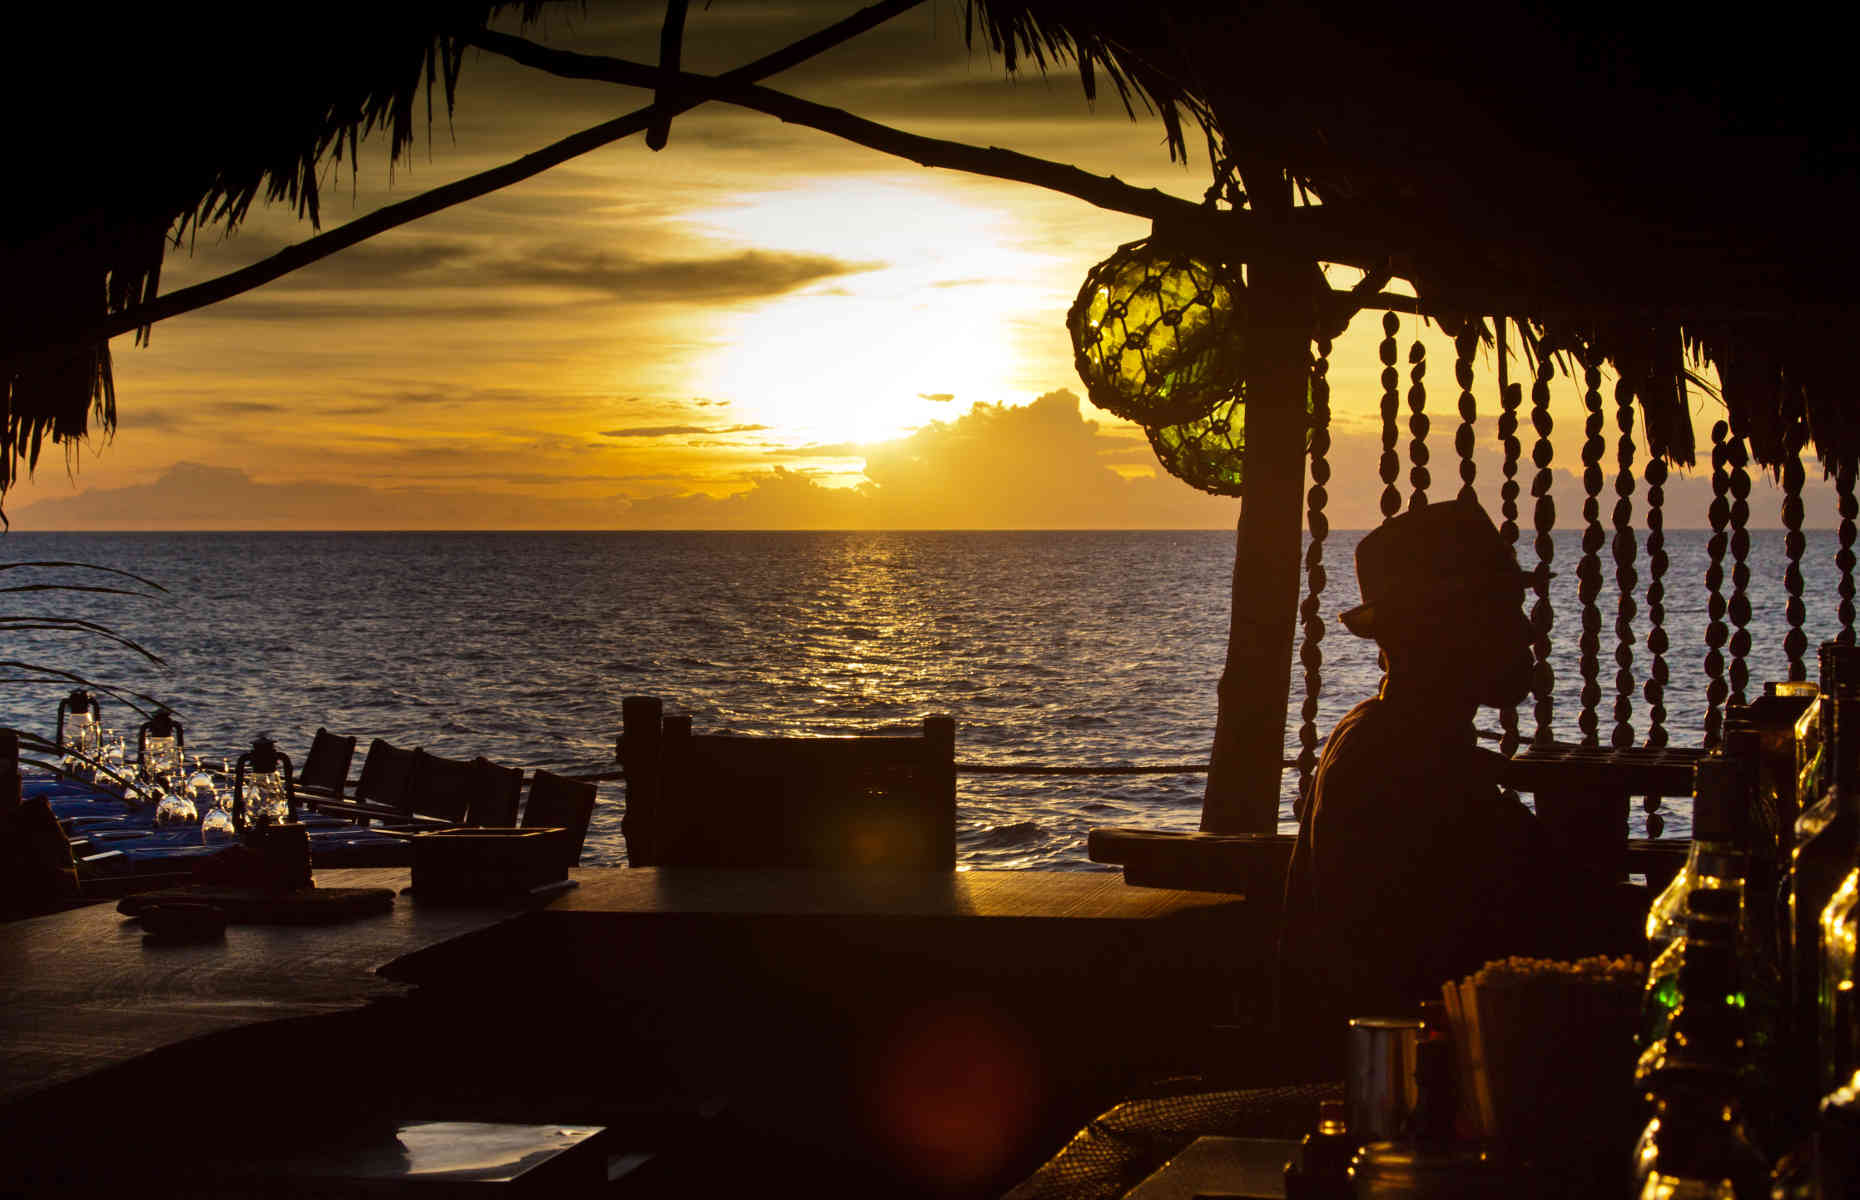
x=1420 y=558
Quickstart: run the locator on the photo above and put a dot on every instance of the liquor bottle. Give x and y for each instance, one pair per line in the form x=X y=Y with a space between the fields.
x=1716 y=860
x=1710 y=937
x=1820 y=858
x=1840 y=1057
x=1696 y=1143
x=1772 y=717
x=1837 y=1141
x=1320 y=1168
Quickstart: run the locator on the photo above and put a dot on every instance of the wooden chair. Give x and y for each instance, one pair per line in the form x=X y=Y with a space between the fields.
x=384 y=776
x=441 y=788
x=820 y=803
x=563 y=804
x=325 y=772
x=495 y=794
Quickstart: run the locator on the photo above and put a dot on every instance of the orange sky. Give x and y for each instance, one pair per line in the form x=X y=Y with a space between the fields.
x=759 y=327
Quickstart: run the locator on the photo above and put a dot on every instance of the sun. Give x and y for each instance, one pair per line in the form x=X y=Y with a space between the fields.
x=923 y=324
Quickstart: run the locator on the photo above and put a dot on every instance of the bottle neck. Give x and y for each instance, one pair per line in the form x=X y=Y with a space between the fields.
x=1724 y=861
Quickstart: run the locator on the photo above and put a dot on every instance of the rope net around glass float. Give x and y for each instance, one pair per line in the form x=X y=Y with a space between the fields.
x=1389 y=466
x=1156 y=334
x=1589 y=567
x=1543 y=520
x=1623 y=548
x=1717 y=633
x=1310 y=651
x=1158 y=338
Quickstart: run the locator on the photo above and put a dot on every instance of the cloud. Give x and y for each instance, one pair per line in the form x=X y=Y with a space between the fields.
x=655 y=431
x=938 y=397
x=818 y=450
x=195 y=496
x=746 y=275
x=1037 y=466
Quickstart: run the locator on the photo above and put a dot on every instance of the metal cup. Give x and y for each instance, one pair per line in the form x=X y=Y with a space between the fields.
x=1381 y=1087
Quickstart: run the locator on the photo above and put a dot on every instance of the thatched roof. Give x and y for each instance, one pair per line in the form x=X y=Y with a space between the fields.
x=1640 y=183
x=1640 y=187
x=165 y=123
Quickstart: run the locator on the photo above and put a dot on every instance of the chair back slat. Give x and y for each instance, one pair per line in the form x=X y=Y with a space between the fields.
x=441 y=787
x=384 y=775
x=326 y=768
x=560 y=803
x=495 y=793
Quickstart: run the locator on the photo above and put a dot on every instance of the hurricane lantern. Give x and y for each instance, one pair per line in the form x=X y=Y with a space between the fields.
x=80 y=723
x=160 y=745
x=1158 y=334
x=264 y=790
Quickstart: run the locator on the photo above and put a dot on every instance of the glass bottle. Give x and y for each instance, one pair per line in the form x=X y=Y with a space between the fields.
x=1839 y=1056
x=1696 y=1142
x=1696 y=1146
x=1837 y=1141
x=1319 y=1168
x=1772 y=717
x=1711 y=919
x=1821 y=856
x=1716 y=860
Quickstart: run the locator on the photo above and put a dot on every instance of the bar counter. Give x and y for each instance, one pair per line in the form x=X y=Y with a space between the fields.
x=828 y=1009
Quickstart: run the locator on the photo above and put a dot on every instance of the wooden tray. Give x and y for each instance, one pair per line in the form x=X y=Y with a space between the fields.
x=486 y=863
x=252 y=906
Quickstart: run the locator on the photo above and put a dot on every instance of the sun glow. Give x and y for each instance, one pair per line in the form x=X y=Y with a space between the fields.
x=926 y=330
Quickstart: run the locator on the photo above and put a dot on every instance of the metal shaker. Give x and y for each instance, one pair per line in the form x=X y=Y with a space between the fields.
x=1381 y=1087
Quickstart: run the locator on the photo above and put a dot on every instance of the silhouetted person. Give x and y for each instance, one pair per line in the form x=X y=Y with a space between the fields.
x=1411 y=866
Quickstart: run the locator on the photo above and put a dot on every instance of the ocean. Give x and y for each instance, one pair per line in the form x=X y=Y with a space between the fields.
x=1068 y=648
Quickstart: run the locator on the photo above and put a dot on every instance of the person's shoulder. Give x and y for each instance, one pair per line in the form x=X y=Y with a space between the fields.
x=1356 y=732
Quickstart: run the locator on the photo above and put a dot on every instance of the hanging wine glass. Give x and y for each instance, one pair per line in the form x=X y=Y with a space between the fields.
x=200 y=787
x=217 y=827
x=175 y=812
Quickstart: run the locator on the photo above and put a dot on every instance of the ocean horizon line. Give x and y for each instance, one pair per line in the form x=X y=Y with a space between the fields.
x=1670 y=529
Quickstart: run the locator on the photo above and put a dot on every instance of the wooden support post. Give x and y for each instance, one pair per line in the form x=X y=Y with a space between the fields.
x=1249 y=739
x=940 y=733
x=638 y=750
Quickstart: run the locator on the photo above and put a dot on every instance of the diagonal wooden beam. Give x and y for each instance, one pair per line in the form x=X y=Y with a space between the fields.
x=314 y=249
x=671 y=52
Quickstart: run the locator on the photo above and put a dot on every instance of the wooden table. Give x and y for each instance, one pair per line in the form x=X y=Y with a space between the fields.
x=813 y=1000
x=83 y=990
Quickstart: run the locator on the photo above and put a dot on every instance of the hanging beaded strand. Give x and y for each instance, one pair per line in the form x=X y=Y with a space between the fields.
x=1543 y=519
x=1844 y=557
x=1795 y=642
x=1310 y=653
x=1418 y=478
x=1510 y=397
x=1739 y=607
x=1716 y=632
x=1589 y=568
x=1654 y=691
x=1464 y=347
x=1655 y=688
x=1626 y=579
x=1390 y=466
